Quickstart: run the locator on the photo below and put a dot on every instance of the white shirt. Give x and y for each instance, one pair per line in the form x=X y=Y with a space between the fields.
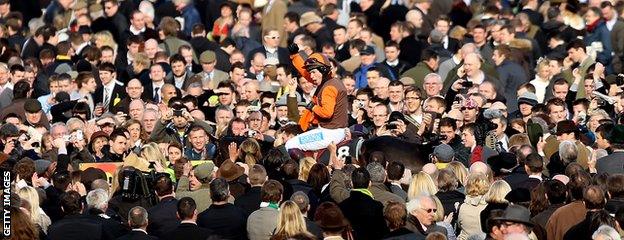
x=611 y=23
x=108 y=87
x=393 y=63
x=136 y=31
x=179 y=81
x=159 y=86
x=477 y=79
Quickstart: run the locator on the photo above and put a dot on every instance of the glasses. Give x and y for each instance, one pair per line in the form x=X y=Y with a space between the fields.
x=412 y=98
x=380 y=115
x=430 y=210
x=254 y=119
x=273 y=37
x=466 y=108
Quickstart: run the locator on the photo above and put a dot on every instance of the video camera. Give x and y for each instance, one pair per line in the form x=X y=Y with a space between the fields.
x=137 y=185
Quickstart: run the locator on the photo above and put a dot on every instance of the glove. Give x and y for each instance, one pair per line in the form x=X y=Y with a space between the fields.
x=310 y=106
x=293 y=48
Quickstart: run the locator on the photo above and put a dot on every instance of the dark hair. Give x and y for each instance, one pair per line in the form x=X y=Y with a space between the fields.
x=615 y=185
x=71 y=203
x=576 y=44
x=318 y=177
x=448 y=122
x=395 y=170
x=163 y=185
x=291 y=170
x=177 y=58
x=108 y=67
x=272 y=191
x=594 y=197
x=186 y=208
x=292 y=17
x=534 y=162
x=556 y=191
x=395 y=214
x=21 y=89
x=117 y=133
x=428 y=54
x=360 y=178
x=577 y=184
x=219 y=190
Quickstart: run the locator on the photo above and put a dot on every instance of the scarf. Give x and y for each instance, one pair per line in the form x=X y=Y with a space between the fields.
x=364 y=191
x=592 y=26
x=476 y=154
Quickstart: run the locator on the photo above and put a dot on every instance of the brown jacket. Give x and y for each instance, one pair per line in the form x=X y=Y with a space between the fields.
x=564 y=218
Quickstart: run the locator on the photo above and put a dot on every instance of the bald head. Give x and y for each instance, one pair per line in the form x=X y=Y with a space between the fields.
x=414 y=17
x=134 y=89
x=479 y=167
x=429 y=168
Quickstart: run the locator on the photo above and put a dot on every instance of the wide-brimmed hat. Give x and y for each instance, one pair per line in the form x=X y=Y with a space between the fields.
x=566 y=126
x=230 y=171
x=516 y=213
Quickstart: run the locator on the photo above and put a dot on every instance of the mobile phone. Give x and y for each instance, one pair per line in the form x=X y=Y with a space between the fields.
x=467 y=84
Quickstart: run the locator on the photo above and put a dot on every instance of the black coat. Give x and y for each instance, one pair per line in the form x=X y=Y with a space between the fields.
x=112 y=228
x=365 y=215
x=581 y=230
x=614 y=204
x=448 y=200
x=162 y=217
x=188 y=231
x=410 y=50
x=118 y=92
x=76 y=227
x=282 y=55
x=227 y=221
x=137 y=235
x=250 y=201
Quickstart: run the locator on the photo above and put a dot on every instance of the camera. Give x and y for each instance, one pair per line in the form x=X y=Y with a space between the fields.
x=251 y=133
x=177 y=112
x=435 y=138
x=467 y=84
x=359 y=104
x=391 y=126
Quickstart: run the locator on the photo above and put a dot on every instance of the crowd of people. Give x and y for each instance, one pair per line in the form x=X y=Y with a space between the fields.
x=303 y=119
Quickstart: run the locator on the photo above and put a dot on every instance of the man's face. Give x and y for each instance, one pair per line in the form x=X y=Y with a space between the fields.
x=223 y=117
x=157 y=74
x=4 y=77
x=505 y=35
x=237 y=75
x=272 y=39
x=590 y=17
x=134 y=89
x=105 y=76
x=368 y=59
x=65 y=86
x=442 y=26
x=479 y=36
x=255 y=121
x=487 y=91
x=432 y=87
x=560 y=91
x=178 y=68
x=426 y=213
x=340 y=36
x=589 y=86
x=110 y=9
x=281 y=112
x=133 y=48
x=198 y=139
x=208 y=67
x=381 y=89
x=448 y=132
x=500 y=128
x=136 y=110
x=281 y=76
x=349 y=84
x=18 y=75
x=251 y=91
x=118 y=145
x=468 y=139
x=380 y=115
x=225 y=96
x=412 y=101
x=107 y=56
x=137 y=20
x=395 y=34
x=33 y=117
x=187 y=54
x=392 y=53
x=372 y=77
x=601 y=142
x=353 y=29
x=607 y=13
x=151 y=48
x=168 y=92
x=432 y=106
x=557 y=113
x=306 y=86
x=471 y=66
x=238 y=129
x=395 y=93
x=316 y=76
x=179 y=122
x=512 y=227
x=149 y=121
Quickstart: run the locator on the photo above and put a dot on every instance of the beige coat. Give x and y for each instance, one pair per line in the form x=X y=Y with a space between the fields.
x=469 y=217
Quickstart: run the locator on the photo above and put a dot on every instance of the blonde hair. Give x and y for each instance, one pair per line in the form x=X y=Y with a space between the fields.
x=305 y=164
x=106 y=38
x=461 y=172
x=421 y=184
x=290 y=221
x=30 y=194
x=477 y=184
x=439 y=215
x=497 y=192
x=458 y=32
x=249 y=152
x=151 y=152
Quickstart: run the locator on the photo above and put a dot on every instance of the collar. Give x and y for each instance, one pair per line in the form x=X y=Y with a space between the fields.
x=139 y=230
x=539 y=177
x=81 y=47
x=270 y=49
x=456 y=59
x=110 y=85
x=158 y=85
x=364 y=191
x=136 y=31
x=333 y=238
x=393 y=63
x=477 y=79
x=189 y=221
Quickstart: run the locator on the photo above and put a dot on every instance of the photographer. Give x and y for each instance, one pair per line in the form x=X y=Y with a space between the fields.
x=175 y=124
x=448 y=128
x=81 y=153
x=11 y=149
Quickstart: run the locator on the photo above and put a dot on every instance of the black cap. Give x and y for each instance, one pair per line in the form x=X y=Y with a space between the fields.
x=84 y=29
x=368 y=50
x=32 y=106
x=62 y=97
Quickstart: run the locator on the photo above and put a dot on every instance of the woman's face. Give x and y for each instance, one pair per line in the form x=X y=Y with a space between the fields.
x=544 y=71
x=99 y=144
x=174 y=154
x=47 y=142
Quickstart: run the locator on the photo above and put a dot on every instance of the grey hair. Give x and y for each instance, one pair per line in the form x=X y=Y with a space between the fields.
x=301 y=199
x=377 y=172
x=599 y=153
x=471 y=46
x=432 y=76
x=97 y=199
x=568 y=151
x=137 y=217
x=416 y=202
x=607 y=232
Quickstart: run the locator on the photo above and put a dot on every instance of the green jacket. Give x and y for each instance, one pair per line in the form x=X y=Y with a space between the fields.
x=418 y=73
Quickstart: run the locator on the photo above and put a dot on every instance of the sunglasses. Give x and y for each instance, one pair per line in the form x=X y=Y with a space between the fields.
x=430 y=210
x=465 y=108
